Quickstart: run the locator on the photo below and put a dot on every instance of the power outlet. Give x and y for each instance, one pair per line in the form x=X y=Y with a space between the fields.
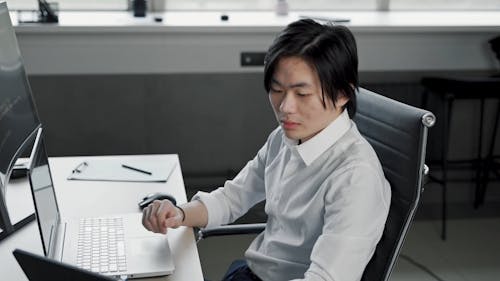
x=252 y=58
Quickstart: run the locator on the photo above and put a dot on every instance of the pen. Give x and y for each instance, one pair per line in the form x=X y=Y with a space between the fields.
x=135 y=169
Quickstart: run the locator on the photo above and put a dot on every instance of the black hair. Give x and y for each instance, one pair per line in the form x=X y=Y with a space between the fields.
x=329 y=49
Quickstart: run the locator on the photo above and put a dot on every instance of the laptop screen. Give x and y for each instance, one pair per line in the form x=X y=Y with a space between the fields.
x=42 y=187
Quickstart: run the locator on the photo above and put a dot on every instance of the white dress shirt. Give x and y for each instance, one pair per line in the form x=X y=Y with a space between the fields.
x=327 y=201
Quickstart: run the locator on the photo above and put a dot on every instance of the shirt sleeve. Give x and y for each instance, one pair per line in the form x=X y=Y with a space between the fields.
x=355 y=215
x=228 y=203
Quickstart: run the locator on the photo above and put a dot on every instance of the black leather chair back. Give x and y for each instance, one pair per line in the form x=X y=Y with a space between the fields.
x=398 y=133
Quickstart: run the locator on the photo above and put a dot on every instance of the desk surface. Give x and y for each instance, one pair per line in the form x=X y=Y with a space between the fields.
x=96 y=198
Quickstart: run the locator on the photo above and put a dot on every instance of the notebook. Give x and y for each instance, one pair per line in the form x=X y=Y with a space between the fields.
x=114 y=246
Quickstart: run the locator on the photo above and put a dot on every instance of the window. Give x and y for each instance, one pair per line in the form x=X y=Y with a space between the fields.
x=70 y=4
x=266 y=5
x=489 y=5
x=255 y=5
x=269 y=5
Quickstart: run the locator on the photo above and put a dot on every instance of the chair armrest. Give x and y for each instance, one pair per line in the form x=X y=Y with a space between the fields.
x=235 y=229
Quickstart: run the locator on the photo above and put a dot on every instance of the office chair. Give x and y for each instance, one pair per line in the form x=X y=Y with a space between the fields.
x=398 y=133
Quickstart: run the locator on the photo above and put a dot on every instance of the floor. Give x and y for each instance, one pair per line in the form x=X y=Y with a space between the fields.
x=470 y=253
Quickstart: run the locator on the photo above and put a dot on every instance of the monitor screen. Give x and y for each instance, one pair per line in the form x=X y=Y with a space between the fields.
x=18 y=116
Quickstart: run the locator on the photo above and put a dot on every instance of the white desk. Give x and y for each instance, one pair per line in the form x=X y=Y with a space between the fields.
x=89 y=198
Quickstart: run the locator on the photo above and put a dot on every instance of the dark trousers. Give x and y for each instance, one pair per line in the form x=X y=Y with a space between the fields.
x=239 y=271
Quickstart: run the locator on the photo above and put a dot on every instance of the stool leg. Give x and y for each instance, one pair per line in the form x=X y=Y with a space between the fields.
x=448 y=102
x=480 y=162
x=489 y=162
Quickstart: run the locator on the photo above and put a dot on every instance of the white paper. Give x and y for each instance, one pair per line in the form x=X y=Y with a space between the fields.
x=112 y=170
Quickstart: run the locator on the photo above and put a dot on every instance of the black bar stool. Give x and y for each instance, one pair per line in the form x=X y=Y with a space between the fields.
x=450 y=89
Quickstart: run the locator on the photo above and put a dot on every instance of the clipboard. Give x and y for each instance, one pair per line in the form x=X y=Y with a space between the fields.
x=123 y=170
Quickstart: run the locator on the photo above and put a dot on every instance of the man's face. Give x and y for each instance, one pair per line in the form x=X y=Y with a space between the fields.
x=296 y=97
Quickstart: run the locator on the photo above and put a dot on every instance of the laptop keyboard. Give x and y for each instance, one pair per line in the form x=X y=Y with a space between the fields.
x=101 y=245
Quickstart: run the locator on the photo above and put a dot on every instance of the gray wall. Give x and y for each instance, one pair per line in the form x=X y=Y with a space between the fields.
x=215 y=122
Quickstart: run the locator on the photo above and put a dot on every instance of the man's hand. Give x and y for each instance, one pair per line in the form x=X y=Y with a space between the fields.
x=160 y=215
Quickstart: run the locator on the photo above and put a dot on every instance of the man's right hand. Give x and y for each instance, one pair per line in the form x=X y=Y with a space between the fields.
x=160 y=215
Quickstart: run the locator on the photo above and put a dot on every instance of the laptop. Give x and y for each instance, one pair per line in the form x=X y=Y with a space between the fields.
x=39 y=268
x=113 y=246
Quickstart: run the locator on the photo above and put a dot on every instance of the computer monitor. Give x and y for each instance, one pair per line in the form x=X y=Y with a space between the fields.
x=18 y=116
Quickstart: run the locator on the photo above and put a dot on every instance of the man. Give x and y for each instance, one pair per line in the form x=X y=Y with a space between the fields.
x=326 y=196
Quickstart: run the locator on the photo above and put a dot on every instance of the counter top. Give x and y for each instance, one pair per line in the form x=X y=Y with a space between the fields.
x=361 y=21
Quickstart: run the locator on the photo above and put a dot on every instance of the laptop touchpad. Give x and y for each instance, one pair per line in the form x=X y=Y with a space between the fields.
x=151 y=250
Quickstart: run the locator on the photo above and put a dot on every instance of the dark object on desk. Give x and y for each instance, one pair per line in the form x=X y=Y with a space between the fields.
x=47 y=12
x=156 y=196
x=224 y=17
x=479 y=88
x=158 y=19
x=398 y=134
x=139 y=7
x=40 y=268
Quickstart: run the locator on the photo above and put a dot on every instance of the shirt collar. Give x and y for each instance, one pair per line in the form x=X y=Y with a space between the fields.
x=314 y=147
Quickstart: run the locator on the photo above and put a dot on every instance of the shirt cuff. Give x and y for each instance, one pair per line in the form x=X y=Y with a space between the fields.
x=214 y=208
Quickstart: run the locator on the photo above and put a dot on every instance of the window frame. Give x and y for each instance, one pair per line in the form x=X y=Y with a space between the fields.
x=262 y=5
